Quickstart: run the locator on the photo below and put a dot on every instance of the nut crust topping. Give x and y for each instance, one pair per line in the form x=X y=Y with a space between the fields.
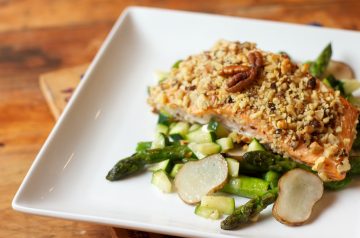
x=241 y=76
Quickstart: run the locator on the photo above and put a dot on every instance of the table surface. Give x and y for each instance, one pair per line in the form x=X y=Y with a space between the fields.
x=38 y=36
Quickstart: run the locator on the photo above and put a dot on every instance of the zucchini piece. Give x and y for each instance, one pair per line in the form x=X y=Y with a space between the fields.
x=176 y=137
x=205 y=149
x=164 y=118
x=201 y=135
x=245 y=186
x=194 y=127
x=160 y=141
x=181 y=128
x=226 y=144
x=233 y=166
x=161 y=181
x=255 y=146
x=350 y=85
x=143 y=145
x=207 y=212
x=225 y=205
x=163 y=165
x=218 y=128
x=161 y=128
x=175 y=170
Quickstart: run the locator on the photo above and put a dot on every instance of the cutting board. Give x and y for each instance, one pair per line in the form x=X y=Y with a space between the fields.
x=57 y=87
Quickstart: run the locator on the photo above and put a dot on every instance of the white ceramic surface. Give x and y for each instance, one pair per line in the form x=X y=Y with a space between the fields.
x=108 y=115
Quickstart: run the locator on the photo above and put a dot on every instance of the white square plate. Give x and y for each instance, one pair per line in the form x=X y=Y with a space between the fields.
x=108 y=115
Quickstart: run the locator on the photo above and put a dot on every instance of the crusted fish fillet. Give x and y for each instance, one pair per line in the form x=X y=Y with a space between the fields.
x=263 y=95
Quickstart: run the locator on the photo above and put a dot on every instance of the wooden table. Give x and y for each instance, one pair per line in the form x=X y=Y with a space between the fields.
x=37 y=36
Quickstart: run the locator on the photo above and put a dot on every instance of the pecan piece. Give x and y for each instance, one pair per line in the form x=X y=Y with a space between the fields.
x=241 y=76
x=256 y=59
x=241 y=80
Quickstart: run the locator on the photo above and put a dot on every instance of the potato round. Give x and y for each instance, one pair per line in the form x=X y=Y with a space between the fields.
x=200 y=178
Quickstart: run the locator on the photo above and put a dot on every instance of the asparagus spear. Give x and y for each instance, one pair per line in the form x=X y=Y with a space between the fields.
x=245 y=186
x=137 y=161
x=318 y=67
x=263 y=161
x=272 y=177
x=250 y=209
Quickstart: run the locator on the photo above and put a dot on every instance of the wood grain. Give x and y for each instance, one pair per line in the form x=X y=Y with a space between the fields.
x=38 y=36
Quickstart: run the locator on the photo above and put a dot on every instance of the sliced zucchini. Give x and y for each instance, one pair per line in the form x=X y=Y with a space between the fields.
x=207 y=212
x=164 y=118
x=161 y=181
x=176 y=137
x=226 y=144
x=233 y=166
x=161 y=128
x=218 y=128
x=143 y=145
x=204 y=149
x=201 y=135
x=255 y=146
x=181 y=128
x=159 y=142
x=175 y=170
x=350 y=85
x=245 y=186
x=163 y=165
x=194 y=127
x=225 y=205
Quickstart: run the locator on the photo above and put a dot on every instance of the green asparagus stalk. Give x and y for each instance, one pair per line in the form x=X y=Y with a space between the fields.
x=263 y=161
x=272 y=178
x=250 y=209
x=137 y=161
x=318 y=67
x=245 y=186
x=355 y=165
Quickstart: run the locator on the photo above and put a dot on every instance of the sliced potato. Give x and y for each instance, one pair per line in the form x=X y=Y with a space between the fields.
x=299 y=190
x=200 y=178
x=340 y=70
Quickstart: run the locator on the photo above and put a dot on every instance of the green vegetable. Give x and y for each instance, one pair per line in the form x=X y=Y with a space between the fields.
x=337 y=185
x=175 y=170
x=164 y=118
x=201 y=135
x=318 y=67
x=204 y=149
x=176 y=64
x=163 y=165
x=160 y=141
x=180 y=128
x=161 y=181
x=263 y=161
x=161 y=128
x=233 y=166
x=245 y=186
x=217 y=128
x=137 y=162
x=207 y=212
x=335 y=84
x=355 y=165
x=250 y=209
x=226 y=144
x=143 y=145
x=225 y=205
x=255 y=146
x=272 y=177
